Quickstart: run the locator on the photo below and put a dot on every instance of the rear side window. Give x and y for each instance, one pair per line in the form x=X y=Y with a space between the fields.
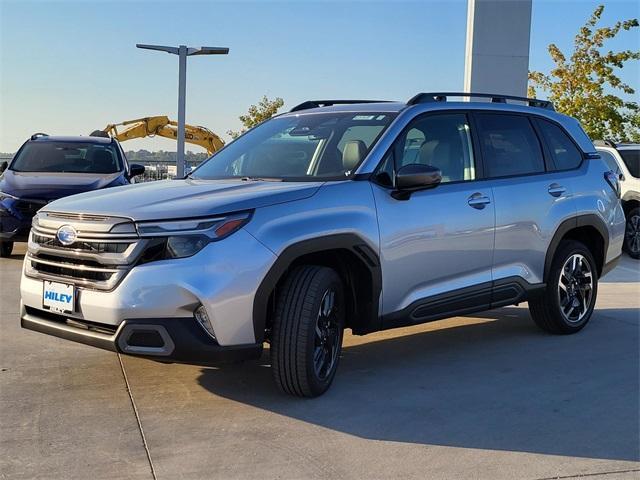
x=610 y=161
x=509 y=145
x=564 y=153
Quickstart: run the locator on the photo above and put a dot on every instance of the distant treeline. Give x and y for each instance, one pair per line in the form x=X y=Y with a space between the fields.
x=145 y=156
x=162 y=156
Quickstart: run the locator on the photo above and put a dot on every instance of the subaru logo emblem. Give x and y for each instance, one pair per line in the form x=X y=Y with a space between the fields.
x=66 y=235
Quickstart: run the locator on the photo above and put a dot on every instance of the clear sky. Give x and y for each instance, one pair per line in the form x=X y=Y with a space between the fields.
x=72 y=67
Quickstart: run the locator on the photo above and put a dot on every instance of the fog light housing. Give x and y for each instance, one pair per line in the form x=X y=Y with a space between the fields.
x=202 y=317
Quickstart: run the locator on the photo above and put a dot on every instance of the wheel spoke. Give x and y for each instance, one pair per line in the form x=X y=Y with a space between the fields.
x=318 y=358
x=575 y=287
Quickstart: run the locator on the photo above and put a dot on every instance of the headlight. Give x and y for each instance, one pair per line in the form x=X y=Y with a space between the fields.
x=5 y=206
x=185 y=246
x=4 y=196
x=184 y=238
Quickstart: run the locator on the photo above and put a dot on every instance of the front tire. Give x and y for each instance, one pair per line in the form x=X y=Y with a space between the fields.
x=632 y=234
x=306 y=338
x=572 y=287
x=5 y=249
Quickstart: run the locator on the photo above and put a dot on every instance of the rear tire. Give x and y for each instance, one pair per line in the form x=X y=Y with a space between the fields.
x=5 y=249
x=572 y=287
x=632 y=234
x=306 y=338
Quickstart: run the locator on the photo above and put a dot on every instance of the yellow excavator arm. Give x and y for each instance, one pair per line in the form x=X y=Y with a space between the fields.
x=162 y=126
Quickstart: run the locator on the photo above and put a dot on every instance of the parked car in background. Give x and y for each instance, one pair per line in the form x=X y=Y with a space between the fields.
x=338 y=214
x=624 y=159
x=46 y=168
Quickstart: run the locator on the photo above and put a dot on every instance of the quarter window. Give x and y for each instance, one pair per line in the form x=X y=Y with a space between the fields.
x=610 y=161
x=564 y=153
x=509 y=145
x=442 y=141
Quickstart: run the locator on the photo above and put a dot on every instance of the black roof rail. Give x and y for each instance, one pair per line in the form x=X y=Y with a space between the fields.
x=604 y=143
x=39 y=134
x=327 y=103
x=495 y=98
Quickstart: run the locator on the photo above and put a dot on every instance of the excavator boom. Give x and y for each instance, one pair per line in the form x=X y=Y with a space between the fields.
x=162 y=126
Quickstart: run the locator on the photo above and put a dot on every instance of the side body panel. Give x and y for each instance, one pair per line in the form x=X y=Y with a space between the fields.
x=527 y=217
x=592 y=195
x=434 y=242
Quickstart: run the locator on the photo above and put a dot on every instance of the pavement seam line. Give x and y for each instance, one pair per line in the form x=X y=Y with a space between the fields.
x=593 y=474
x=135 y=412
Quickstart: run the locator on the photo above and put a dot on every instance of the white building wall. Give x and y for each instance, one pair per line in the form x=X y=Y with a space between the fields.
x=497 y=51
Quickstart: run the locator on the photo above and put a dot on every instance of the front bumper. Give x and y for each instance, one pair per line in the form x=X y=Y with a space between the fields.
x=13 y=229
x=172 y=340
x=223 y=277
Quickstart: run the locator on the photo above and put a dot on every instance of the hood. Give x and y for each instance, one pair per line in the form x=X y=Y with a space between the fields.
x=169 y=199
x=50 y=186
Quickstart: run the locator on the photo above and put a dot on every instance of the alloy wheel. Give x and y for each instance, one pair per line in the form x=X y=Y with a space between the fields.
x=633 y=234
x=327 y=336
x=575 y=288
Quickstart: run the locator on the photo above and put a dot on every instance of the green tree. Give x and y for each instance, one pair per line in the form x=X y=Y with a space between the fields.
x=584 y=86
x=264 y=110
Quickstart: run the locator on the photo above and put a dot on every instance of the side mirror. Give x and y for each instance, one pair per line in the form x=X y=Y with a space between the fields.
x=135 y=170
x=3 y=166
x=187 y=170
x=415 y=176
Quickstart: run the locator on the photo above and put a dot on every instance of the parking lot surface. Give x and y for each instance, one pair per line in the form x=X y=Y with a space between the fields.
x=484 y=396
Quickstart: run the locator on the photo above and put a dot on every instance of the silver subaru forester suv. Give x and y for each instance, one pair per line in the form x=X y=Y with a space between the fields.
x=338 y=214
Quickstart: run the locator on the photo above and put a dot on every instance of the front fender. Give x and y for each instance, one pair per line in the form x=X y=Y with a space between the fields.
x=340 y=216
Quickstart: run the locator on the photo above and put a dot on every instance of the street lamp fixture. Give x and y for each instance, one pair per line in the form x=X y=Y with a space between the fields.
x=183 y=52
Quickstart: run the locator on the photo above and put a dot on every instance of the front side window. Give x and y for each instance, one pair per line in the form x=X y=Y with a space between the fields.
x=442 y=141
x=315 y=146
x=631 y=159
x=509 y=145
x=67 y=157
x=564 y=153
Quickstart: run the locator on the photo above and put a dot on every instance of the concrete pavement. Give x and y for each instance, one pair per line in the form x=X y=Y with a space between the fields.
x=484 y=396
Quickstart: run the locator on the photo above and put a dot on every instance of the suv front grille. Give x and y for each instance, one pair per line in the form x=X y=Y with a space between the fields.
x=98 y=247
x=98 y=259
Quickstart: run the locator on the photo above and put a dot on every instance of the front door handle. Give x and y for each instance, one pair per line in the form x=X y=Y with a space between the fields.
x=555 y=190
x=478 y=200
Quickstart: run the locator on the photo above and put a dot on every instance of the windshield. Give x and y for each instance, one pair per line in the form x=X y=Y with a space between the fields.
x=71 y=157
x=316 y=146
x=632 y=160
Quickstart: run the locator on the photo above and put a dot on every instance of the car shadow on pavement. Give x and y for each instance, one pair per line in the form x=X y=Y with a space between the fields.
x=498 y=383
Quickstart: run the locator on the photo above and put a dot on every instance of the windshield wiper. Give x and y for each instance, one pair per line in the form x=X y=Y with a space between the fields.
x=260 y=179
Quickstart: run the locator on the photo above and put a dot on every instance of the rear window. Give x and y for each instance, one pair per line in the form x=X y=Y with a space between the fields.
x=509 y=145
x=631 y=159
x=67 y=157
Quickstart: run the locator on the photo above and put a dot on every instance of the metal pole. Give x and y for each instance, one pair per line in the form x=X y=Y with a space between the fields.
x=182 y=94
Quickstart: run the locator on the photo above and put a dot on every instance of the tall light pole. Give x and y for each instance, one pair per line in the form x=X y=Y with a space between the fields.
x=183 y=52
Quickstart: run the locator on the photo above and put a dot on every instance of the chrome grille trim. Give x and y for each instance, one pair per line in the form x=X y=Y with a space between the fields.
x=98 y=259
x=71 y=266
x=84 y=235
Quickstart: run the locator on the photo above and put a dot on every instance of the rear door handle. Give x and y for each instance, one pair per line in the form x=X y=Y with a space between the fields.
x=478 y=200
x=555 y=190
